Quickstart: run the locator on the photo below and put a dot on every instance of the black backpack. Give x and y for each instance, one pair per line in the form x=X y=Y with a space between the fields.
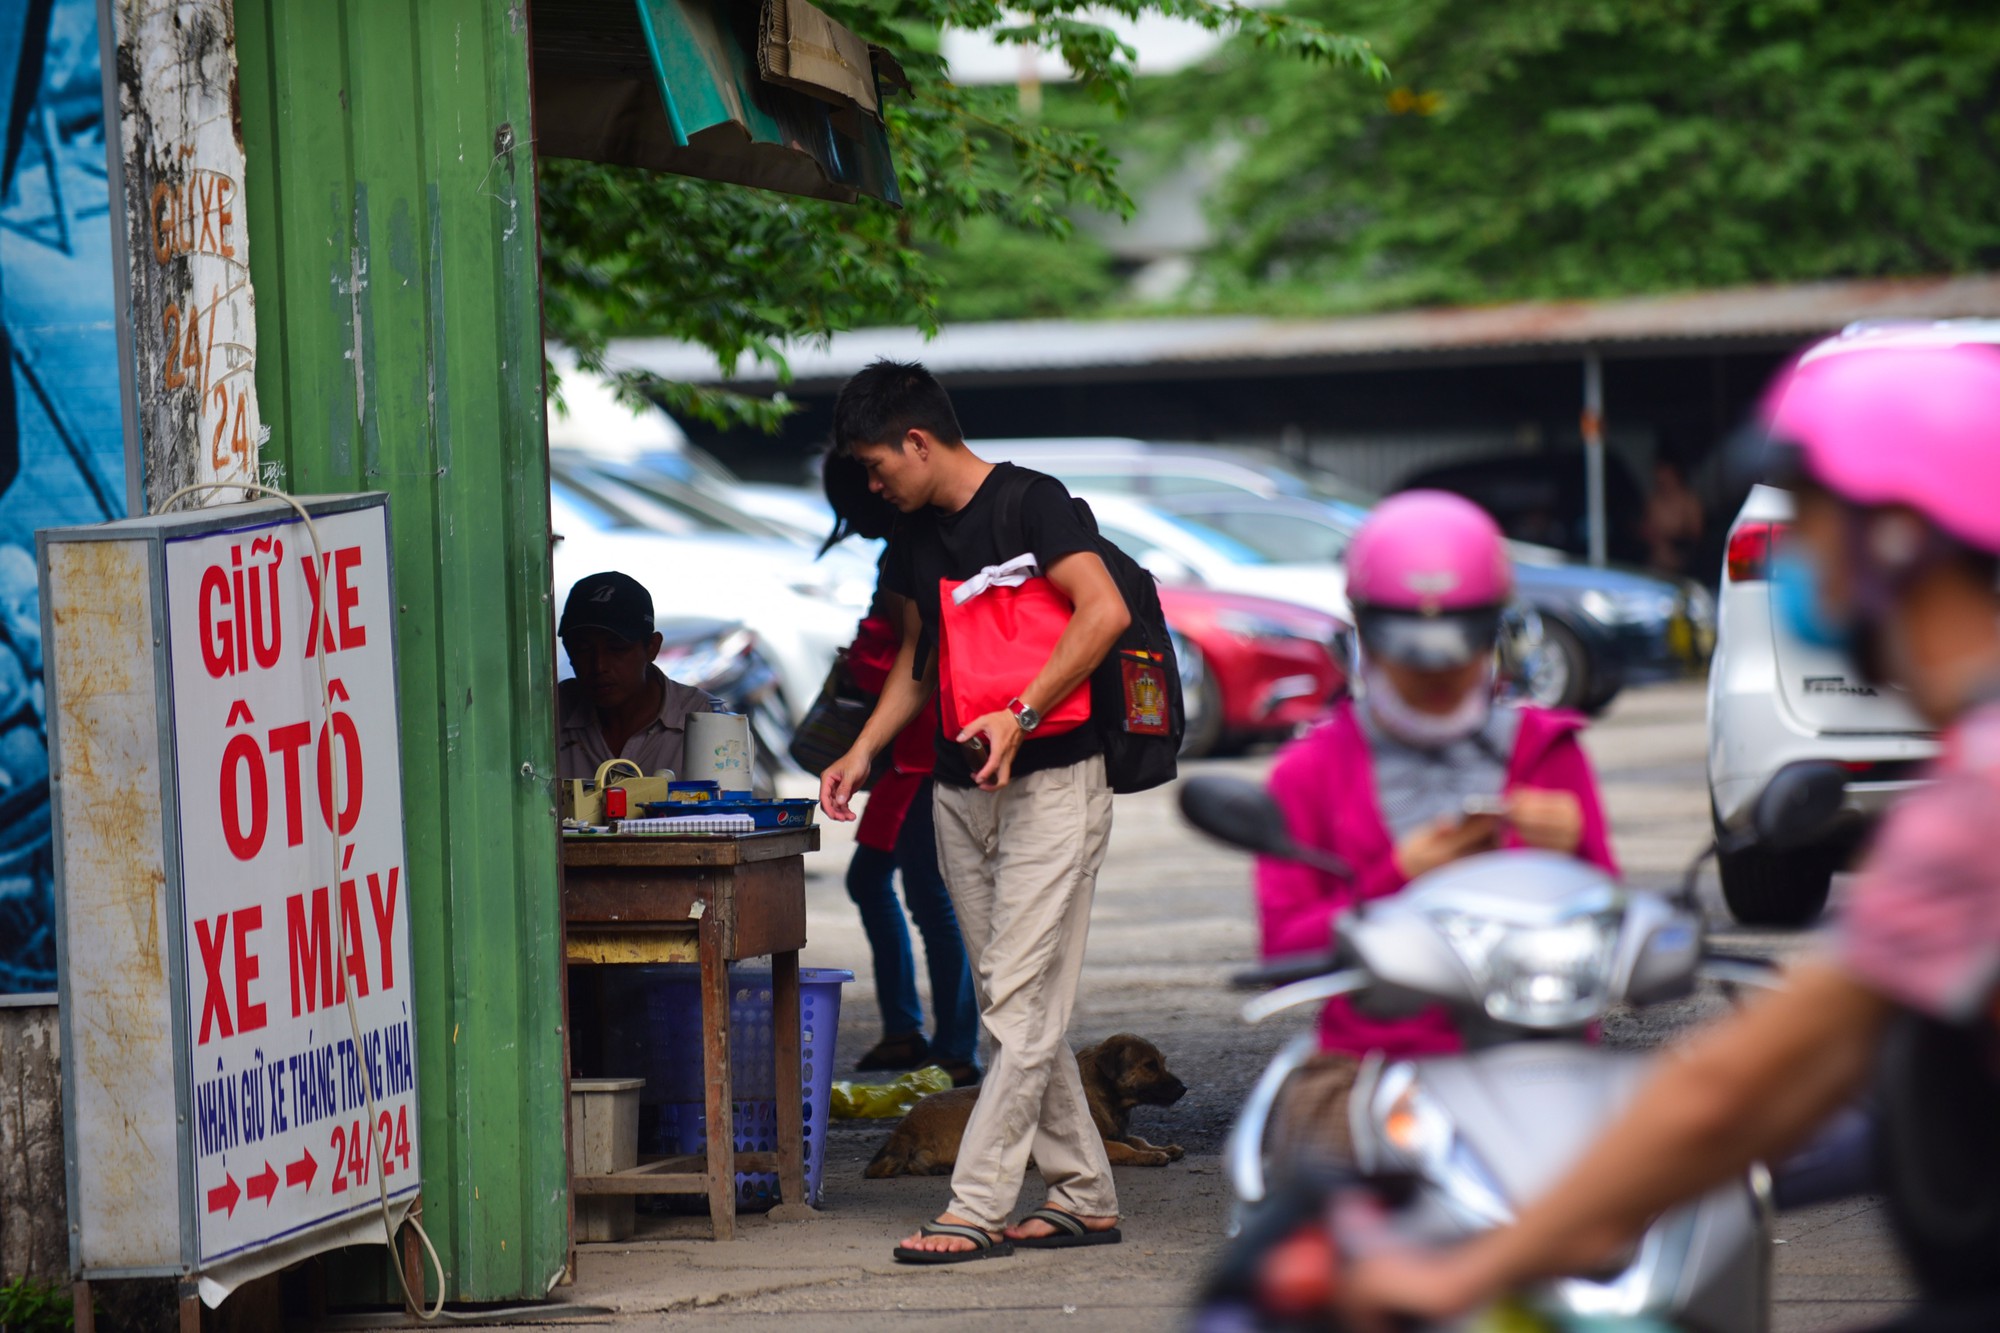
x=1133 y=760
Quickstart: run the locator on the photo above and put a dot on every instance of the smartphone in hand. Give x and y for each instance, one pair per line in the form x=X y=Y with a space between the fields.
x=1495 y=806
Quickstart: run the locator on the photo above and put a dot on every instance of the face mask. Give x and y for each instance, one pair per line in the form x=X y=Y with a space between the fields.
x=1425 y=731
x=1795 y=597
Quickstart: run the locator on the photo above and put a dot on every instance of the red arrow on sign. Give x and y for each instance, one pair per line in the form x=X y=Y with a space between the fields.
x=224 y=1196
x=264 y=1184
x=303 y=1170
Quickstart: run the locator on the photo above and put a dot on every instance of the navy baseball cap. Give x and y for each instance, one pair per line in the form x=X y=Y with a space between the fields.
x=616 y=603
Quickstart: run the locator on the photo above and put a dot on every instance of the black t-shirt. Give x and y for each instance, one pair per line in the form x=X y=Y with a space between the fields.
x=931 y=545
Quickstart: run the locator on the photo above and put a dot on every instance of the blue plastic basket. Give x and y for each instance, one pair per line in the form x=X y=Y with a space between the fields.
x=661 y=1030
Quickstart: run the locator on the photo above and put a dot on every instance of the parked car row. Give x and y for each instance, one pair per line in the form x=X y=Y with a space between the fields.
x=1250 y=522
x=1248 y=550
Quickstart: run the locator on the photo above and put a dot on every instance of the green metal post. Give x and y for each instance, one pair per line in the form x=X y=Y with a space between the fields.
x=390 y=203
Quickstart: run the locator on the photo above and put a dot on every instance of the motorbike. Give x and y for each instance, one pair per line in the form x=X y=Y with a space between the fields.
x=723 y=658
x=1528 y=951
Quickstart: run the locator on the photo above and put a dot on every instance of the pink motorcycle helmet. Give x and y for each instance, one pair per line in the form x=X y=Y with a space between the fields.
x=1428 y=576
x=1898 y=417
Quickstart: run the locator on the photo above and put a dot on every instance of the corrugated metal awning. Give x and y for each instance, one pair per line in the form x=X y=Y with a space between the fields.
x=774 y=95
x=1772 y=318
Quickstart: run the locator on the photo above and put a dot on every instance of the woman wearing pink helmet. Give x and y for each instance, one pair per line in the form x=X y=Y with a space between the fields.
x=1891 y=440
x=1424 y=769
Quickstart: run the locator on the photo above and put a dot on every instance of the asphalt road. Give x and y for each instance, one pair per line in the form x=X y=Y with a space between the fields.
x=1173 y=917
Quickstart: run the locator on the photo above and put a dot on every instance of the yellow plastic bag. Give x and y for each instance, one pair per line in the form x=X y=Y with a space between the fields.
x=887 y=1101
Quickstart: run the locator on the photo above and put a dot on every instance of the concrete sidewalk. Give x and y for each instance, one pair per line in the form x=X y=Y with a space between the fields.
x=837 y=1274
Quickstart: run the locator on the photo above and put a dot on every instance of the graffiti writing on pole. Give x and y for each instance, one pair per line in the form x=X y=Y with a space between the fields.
x=194 y=322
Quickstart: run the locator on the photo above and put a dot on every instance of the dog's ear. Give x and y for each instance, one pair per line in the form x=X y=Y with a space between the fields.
x=1129 y=1053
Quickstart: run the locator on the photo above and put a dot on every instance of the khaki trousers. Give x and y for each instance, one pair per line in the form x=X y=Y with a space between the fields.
x=1021 y=865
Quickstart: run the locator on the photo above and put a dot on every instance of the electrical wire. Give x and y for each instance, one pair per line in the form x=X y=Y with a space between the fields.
x=411 y=1299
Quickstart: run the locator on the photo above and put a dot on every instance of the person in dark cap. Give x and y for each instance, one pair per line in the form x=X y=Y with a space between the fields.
x=618 y=705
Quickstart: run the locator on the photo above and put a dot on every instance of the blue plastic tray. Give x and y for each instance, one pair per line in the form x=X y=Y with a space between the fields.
x=794 y=813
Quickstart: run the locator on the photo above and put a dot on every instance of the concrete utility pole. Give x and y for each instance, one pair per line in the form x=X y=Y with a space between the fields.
x=190 y=323
x=1593 y=452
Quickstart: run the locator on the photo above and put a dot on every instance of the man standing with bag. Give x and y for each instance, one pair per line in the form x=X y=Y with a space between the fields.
x=1022 y=819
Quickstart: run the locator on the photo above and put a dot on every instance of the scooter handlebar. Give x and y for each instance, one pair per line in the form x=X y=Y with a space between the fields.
x=1286 y=970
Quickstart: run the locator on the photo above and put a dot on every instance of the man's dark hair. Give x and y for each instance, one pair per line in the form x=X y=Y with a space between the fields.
x=886 y=401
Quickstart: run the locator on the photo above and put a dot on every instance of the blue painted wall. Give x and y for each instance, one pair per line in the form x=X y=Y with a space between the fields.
x=62 y=449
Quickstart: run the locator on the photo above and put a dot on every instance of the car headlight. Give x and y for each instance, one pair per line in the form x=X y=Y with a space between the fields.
x=1554 y=975
x=1635 y=606
x=1247 y=625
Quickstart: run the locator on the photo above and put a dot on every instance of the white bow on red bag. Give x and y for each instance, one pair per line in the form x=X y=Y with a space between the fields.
x=1009 y=574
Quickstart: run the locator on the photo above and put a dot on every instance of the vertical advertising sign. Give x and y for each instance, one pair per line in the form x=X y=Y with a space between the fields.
x=62 y=439
x=280 y=931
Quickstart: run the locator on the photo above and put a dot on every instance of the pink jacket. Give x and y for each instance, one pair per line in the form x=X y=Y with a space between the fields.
x=1325 y=783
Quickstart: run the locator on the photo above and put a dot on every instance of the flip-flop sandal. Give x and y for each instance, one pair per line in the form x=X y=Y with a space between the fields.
x=985 y=1245
x=1069 y=1234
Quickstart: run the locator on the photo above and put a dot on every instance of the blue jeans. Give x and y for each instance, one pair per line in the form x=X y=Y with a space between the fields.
x=871 y=884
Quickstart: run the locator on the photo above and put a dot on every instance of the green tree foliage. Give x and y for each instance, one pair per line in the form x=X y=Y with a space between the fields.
x=1000 y=272
x=742 y=271
x=1587 y=147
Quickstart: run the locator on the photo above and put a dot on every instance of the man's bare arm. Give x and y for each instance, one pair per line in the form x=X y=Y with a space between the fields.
x=1094 y=626
x=1098 y=617
x=1746 y=1091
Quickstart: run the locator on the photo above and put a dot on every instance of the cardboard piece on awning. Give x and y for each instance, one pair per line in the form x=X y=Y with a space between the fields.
x=804 y=49
x=676 y=85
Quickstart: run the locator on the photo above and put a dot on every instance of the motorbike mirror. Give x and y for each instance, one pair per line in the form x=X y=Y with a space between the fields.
x=1242 y=814
x=1800 y=805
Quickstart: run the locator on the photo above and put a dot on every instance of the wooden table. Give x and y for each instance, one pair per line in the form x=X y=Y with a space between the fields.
x=711 y=900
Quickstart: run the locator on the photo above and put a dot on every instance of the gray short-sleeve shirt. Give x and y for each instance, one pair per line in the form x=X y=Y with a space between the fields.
x=660 y=744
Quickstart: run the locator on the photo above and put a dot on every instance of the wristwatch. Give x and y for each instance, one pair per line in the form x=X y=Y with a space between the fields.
x=1026 y=716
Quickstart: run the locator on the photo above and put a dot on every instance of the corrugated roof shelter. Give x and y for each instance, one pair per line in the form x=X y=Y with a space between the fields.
x=1766 y=318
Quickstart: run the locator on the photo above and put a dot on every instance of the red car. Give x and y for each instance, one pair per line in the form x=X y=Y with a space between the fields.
x=1252 y=668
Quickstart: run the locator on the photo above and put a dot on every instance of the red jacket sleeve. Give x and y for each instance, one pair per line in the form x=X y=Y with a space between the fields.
x=872 y=655
x=1296 y=904
x=1565 y=767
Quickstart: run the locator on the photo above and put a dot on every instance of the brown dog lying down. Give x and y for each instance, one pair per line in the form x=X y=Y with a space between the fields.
x=1119 y=1073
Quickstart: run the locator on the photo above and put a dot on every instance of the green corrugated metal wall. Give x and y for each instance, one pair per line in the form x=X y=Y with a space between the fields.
x=391 y=216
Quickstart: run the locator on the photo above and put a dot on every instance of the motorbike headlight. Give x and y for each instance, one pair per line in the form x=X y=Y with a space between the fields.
x=1554 y=975
x=1551 y=976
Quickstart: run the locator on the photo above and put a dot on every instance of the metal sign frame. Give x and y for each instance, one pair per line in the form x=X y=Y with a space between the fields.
x=173 y=1230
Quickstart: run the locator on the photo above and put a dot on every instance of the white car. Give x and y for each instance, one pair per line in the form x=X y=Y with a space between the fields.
x=1179 y=550
x=1775 y=700
x=1114 y=464
x=801 y=611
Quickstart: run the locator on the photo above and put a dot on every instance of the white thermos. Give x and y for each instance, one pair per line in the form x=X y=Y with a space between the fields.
x=719 y=750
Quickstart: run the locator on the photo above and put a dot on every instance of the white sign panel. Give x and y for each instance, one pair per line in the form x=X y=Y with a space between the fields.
x=278 y=1096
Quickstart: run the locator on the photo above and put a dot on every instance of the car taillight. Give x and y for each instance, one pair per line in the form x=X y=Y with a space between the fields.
x=1750 y=548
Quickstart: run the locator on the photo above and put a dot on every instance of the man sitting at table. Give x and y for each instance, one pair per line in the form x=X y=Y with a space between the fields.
x=618 y=705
